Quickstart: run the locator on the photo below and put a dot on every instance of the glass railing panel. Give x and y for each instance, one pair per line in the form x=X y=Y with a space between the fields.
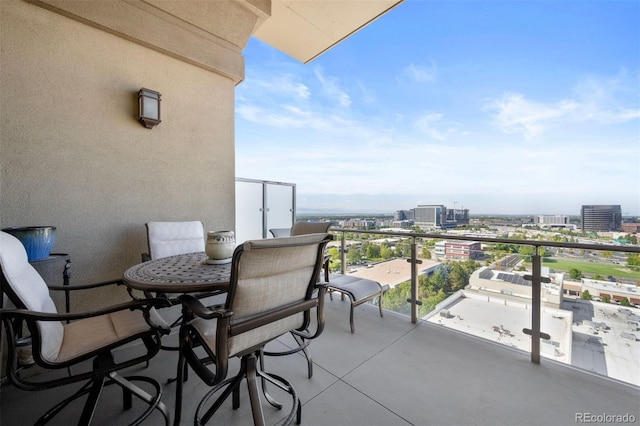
x=588 y=316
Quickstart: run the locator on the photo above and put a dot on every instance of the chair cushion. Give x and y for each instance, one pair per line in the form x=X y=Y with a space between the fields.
x=84 y=336
x=32 y=291
x=357 y=288
x=171 y=238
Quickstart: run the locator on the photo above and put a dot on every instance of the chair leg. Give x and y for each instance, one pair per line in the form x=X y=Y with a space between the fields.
x=152 y=400
x=265 y=392
x=44 y=419
x=283 y=384
x=254 y=395
x=249 y=370
x=353 y=328
x=179 y=381
x=92 y=401
x=300 y=341
x=231 y=386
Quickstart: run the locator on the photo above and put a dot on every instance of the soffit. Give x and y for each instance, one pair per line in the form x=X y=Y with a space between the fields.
x=304 y=29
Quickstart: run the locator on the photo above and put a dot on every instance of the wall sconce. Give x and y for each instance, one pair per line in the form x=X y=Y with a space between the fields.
x=148 y=107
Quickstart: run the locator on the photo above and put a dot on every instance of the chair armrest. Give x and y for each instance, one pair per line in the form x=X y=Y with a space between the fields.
x=196 y=306
x=84 y=286
x=45 y=316
x=305 y=334
x=325 y=267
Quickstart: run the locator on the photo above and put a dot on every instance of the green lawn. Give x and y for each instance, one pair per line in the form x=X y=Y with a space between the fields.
x=591 y=268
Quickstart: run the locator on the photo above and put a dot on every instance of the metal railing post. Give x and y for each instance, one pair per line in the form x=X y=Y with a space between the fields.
x=536 y=288
x=536 y=306
x=343 y=254
x=414 y=282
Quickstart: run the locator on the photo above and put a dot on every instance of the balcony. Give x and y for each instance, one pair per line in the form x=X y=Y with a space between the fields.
x=390 y=372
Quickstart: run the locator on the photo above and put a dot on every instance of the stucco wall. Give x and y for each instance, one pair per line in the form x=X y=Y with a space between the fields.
x=73 y=155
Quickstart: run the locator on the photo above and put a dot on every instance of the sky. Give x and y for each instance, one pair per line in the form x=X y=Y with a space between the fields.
x=499 y=107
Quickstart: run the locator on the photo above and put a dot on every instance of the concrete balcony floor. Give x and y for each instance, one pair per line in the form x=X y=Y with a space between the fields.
x=390 y=372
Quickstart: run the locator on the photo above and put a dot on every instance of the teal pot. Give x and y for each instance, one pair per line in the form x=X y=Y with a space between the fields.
x=37 y=240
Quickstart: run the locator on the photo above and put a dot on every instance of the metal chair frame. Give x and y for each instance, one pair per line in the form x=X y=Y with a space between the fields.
x=228 y=326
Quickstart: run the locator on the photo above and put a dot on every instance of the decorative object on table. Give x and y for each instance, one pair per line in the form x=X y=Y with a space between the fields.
x=148 y=108
x=37 y=240
x=220 y=246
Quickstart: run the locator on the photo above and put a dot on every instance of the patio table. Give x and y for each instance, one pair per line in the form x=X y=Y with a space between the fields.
x=182 y=273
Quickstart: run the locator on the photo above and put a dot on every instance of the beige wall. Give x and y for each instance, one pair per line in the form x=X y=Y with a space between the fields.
x=73 y=155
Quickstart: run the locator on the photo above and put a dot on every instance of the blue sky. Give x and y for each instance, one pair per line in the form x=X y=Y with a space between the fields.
x=510 y=107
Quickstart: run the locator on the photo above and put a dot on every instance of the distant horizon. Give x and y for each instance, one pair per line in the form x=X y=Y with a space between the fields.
x=387 y=213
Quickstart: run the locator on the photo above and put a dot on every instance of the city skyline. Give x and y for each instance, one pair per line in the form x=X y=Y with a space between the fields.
x=501 y=107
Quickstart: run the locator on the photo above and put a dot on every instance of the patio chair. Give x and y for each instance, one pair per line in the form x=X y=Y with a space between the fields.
x=280 y=232
x=358 y=290
x=91 y=335
x=171 y=238
x=299 y=228
x=272 y=292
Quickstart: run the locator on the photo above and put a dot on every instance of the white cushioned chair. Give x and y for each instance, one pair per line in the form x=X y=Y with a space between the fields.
x=171 y=238
x=91 y=335
x=273 y=289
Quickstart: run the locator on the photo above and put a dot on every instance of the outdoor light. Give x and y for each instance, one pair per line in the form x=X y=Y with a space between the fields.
x=148 y=107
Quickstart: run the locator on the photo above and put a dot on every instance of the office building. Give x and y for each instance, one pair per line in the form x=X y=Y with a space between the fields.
x=432 y=216
x=601 y=218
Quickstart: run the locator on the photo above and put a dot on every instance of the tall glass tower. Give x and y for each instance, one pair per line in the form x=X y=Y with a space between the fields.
x=601 y=218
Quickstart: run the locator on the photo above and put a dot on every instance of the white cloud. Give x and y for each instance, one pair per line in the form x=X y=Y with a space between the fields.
x=420 y=73
x=331 y=88
x=515 y=114
x=432 y=124
x=597 y=100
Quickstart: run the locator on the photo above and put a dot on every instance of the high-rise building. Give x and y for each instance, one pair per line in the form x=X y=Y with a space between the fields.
x=458 y=216
x=430 y=216
x=601 y=218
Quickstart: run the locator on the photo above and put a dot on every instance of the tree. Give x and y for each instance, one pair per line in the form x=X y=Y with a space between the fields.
x=396 y=298
x=353 y=256
x=458 y=277
x=334 y=253
x=575 y=274
x=386 y=252
x=624 y=302
x=426 y=253
x=373 y=251
x=633 y=260
x=586 y=295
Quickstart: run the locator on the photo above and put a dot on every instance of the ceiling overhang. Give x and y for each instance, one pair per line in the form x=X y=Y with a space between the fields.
x=304 y=29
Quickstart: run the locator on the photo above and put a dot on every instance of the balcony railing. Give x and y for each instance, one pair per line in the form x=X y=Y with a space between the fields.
x=536 y=306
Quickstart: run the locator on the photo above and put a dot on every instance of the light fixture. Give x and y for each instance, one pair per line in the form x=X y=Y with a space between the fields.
x=148 y=107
